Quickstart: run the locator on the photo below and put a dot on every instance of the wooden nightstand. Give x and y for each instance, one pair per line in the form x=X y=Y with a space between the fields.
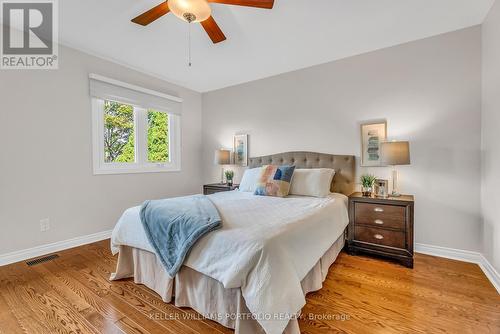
x=381 y=226
x=217 y=188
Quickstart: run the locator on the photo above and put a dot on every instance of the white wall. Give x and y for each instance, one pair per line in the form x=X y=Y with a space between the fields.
x=490 y=140
x=46 y=154
x=430 y=93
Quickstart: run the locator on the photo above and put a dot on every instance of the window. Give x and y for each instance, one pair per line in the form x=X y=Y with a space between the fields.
x=119 y=139
x=158 y=140
x=132 y=134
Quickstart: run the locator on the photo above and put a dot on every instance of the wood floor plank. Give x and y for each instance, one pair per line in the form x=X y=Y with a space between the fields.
x=360 y=295
x=414 y=283
x=48 y=309
x=111 y=315
x=8 y=321
x=22 y=312
x=125 y=315
x=65 y=276
x=91 y=314
x=131 y=305
x=173 y=320
x=430 y=291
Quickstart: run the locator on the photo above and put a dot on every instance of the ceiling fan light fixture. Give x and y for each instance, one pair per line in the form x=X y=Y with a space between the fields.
x=190 y=10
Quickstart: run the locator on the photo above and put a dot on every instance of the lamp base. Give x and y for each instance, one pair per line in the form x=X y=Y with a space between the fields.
x=394 y=192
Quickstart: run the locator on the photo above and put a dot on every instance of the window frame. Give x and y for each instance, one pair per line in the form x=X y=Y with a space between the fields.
x=141 y=164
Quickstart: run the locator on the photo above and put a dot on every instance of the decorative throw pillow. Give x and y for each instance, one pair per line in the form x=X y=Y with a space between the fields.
x=274 y=181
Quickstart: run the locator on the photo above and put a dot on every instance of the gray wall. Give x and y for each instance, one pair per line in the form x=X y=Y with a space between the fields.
x=430 y=93
x=490 y=133
x=46 y=159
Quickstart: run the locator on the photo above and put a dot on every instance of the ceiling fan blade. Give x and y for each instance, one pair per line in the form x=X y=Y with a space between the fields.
x=154 y=13
x=268 y=4
x=213 y=30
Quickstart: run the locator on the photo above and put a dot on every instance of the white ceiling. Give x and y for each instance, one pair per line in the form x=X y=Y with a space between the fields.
x=260 y=43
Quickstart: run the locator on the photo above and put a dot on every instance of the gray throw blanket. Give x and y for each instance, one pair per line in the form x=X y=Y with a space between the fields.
x=174 y=225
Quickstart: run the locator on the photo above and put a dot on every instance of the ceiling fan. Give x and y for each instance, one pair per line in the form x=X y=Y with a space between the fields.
x=197 y=11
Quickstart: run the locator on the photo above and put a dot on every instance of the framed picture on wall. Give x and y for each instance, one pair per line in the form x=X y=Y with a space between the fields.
x=372 y=135
x=241 y=150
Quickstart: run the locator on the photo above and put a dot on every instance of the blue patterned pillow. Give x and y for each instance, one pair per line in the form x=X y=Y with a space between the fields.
x=274 y=181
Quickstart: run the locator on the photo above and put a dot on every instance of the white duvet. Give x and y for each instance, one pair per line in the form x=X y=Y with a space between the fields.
x=266 y=246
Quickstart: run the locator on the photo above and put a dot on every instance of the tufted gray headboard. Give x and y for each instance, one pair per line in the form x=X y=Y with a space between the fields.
x=344 y=166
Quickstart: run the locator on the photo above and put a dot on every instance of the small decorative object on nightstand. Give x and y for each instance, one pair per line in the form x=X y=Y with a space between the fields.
x=381 y=188
x=381 y=227
x=229 y=177
x=367 y=183
x=217 y=188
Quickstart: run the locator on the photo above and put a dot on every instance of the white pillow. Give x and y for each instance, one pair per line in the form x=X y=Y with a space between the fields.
x=249 y=180
x=313 y=182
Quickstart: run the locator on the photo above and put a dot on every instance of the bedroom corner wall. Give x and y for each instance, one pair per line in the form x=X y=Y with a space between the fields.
x=490 y=185
x=430 y=93
x=46 y=160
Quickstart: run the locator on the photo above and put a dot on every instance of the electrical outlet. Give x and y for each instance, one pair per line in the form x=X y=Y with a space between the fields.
x=44 y=225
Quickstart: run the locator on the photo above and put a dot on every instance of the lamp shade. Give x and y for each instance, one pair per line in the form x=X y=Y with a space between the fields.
x=222 y=157
x=395 y=153
x=190 y=10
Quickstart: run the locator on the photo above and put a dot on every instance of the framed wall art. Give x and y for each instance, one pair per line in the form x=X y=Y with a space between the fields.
x=372 y=135
x=241 y=150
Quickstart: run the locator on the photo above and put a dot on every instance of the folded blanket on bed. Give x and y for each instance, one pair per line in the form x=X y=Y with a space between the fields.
x=174 y=225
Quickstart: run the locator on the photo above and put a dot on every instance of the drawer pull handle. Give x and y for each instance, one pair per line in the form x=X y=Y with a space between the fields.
x=378 y=222
x=378 y=236
x=377 y=209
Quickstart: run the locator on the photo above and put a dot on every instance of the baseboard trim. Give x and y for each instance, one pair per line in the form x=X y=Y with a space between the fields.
x=449 y=253
x=490 y=272
x=463 y=255
x=58 y=246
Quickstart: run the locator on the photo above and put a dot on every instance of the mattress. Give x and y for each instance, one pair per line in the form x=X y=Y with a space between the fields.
x=266 y=247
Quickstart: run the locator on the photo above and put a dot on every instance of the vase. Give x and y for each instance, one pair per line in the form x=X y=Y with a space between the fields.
x=367 y=191
x=230 y=183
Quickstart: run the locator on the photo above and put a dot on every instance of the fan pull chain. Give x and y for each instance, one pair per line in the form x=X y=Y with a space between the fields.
x=189 y=44
x=189 y=17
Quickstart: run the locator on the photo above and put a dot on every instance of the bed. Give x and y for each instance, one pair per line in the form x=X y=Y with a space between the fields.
x=279 y=247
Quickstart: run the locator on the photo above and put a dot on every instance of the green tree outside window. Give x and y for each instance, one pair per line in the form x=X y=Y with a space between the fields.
x=119 y=135
x=118 y=132
x=158 y=136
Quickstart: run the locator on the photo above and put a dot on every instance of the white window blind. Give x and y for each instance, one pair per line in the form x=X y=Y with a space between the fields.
x=114 y=90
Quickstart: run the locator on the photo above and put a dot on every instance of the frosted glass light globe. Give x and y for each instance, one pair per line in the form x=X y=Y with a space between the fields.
x=190 y=10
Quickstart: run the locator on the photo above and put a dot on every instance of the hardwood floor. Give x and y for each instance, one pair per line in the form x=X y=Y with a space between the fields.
x=72 y=294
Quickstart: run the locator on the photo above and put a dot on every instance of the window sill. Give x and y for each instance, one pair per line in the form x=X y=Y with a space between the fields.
x=135 y=171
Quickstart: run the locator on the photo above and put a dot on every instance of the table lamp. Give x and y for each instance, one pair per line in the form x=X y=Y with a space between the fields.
x=395 y=153
x=222 y=157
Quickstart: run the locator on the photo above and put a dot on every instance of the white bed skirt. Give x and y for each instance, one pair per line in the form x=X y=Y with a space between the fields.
x=206 y=295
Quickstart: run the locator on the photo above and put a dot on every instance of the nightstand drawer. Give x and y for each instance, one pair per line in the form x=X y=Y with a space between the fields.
x=380 y=215
x=380 y=236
